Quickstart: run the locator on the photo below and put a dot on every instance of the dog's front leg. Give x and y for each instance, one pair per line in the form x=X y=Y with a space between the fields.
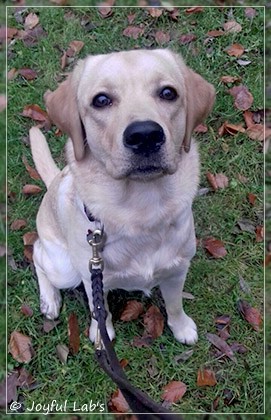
x=183 y=327
x=94 y=324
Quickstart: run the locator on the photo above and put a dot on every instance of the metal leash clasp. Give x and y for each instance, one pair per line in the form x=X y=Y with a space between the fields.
x=95 y=240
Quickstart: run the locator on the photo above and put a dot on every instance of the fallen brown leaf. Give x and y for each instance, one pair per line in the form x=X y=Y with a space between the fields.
x=132 y=310
x=74 y=334
x=231 y=129
x=230 y=79
x=8 y=389
x=215 y=247
x=49 y=325
x=20 y=347
x=187 y=38
x=235 y=50
x=259 y=233
x=155 y=12
x=76 y=46
x=26 y=310
x=195 y=9
x=215 y=33
x=162 y=37
x=18 y=224
x=256 y=132
x=221 y=344
x=12 y=73
x=250 y=12
x=118 y=403
x=31 y=21
x=28 y=74
x=206 y=377
x=250 y=314
x=30 y=238
x=30 y=189
x=232 y=26
x=145 y=341
x=201 y=128
x=251 y=198
x=133 y=31
x=35 y=112
x=62 y=352
x=32 y=171
x=242 y=97
x=173 y=391
x=153 y=322
x=105 y=11
x=28 y=253
x=248 y=117
x=217 y=180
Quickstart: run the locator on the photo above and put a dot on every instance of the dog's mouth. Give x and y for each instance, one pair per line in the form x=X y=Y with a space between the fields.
x=146 y=173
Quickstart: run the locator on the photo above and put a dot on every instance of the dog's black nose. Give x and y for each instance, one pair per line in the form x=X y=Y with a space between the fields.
x=144 y=137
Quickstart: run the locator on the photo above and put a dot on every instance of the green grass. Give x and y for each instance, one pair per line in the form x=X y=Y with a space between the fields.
x=214 y=283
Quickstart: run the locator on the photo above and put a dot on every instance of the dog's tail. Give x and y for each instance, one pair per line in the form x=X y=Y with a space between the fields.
x=42 y=157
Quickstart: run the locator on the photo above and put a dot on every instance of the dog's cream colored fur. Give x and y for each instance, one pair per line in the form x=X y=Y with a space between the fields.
x=147 y=217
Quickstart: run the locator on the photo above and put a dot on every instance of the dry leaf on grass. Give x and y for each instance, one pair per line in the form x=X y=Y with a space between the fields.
x=62 y=352
x=230 y=79
x=206 y=377
x=74 y=334
x=20 y=347
x=215 y=247
x=31 y=189
x=35 y=112
x=31 y=21
x=194 y=9
x=259 y=233
x=187 y=38
x=26 y=310
x=242 y=97
x=250 y=314
x=221 y=344
x=162 y=37
x=30 y=238
x=174 y=391
x=32 y=171
x=118 y=403
x=235 y=50
x=215 y=33
x=133 y=31
x=232 y=26
x=153 y=322
x=155 y=12
x=217 y=181
x=132 y=310
x=18 y=224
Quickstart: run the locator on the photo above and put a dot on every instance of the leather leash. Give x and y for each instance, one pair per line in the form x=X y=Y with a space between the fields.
x=138 y=401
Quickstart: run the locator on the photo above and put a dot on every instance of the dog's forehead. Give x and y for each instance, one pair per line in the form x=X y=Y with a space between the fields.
x=129 y=63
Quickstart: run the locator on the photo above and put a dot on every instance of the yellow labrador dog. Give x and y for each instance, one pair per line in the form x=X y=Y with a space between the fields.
x=133 y=166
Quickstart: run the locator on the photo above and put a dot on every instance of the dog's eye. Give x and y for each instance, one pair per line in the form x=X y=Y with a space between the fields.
x=168 y=93
x=101 y=100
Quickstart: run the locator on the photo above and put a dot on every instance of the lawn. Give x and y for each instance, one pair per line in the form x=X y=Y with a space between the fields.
x=226 y=214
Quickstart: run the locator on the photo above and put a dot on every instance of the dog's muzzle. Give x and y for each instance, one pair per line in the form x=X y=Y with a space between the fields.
x=144 y=137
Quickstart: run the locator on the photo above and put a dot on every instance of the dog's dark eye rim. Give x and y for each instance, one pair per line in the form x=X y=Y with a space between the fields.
x=168 y=93
x=101 y=100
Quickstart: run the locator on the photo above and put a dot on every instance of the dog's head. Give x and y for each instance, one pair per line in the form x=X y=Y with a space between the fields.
x=134 y=110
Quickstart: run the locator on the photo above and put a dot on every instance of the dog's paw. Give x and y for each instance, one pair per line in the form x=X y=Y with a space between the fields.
x=94 y=327
x=50 y=305
x=185 y=330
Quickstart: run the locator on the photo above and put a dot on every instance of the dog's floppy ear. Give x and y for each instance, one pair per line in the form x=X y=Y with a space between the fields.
x=200 y=96
x=62 y=108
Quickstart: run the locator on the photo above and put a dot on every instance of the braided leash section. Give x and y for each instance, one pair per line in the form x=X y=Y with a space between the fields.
x=97 y=294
